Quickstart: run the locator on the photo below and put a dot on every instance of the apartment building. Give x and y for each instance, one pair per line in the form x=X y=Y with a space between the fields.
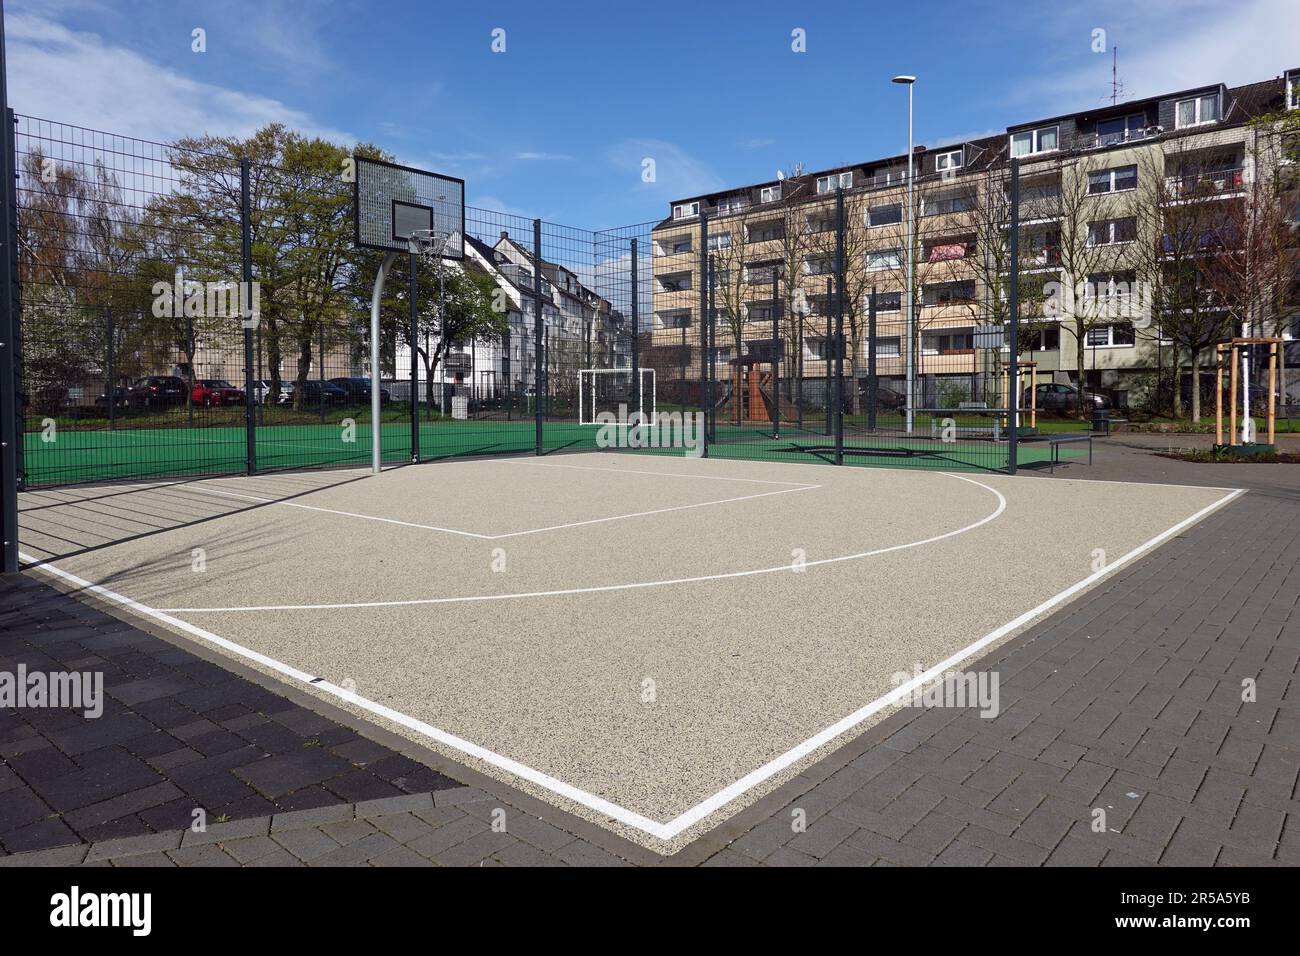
x=1097 y=190
x=581 y=329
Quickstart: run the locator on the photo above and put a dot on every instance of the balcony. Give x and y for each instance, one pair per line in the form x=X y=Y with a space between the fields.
x=1118 y=137
x=1200 y=185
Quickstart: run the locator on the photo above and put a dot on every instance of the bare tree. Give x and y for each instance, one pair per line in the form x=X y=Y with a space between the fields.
x=1181 y=223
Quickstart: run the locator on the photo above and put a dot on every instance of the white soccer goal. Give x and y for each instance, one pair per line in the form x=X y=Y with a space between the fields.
x=614 y=390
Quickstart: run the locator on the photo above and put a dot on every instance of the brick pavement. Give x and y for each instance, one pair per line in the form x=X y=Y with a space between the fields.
x=1128 y=701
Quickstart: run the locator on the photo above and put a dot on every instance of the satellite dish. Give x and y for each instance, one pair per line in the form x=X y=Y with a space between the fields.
x=780 y=175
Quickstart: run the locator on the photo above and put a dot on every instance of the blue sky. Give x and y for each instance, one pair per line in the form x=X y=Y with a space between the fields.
x=558 y=125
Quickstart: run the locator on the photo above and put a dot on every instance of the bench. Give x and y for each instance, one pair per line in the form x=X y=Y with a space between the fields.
x=1056 y=441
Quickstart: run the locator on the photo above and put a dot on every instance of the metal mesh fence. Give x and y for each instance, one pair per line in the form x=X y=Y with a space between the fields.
x=146 y=354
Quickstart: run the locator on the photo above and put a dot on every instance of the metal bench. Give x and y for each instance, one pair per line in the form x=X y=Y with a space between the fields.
x=1056 y=441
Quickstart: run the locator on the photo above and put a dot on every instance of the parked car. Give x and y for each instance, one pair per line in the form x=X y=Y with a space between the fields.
x=314 y=393
x=216 y=391
x=154 y=390
x=358 y=390
x=886 y=397
x=262 y=390
x=121 y=398
x=1051 y=397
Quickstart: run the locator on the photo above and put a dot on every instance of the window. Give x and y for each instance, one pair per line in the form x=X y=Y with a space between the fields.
x=1109 y=232
x=949 y=293
x=1041 y=339
x=887 y=301
x=828 y=184
x=1112 y=180
x=1121 y=130
x=1108 y=285
x=885 y=259
x=676 y=319
x=819 y=265
x=945 y=205
x=1293 y=91
x=769 y=194
x=939 y=343
x=766 y=231
x=949 y=160
x=885 y=215
x=1041 y=140
x=759 y=311
x=677 y=282
x=1197 y=110
x=686 y=210
x=814 y=347
x=680 y=245
x=887 y=347
x=721 y=240
x=822 y=224
x=1112 y=336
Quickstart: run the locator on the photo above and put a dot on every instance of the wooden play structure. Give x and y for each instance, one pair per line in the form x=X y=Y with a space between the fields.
x=1229 y=353
x=751 y=391
x=1004 y=390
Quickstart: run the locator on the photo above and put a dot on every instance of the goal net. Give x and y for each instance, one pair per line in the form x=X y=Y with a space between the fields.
x=616 y=391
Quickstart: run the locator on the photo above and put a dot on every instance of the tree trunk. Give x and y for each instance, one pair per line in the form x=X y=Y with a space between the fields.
x=1080 y=358
x=304 y=367
x=1196 y=385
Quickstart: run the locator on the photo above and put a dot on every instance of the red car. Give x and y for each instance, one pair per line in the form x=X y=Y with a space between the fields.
x=214 y=391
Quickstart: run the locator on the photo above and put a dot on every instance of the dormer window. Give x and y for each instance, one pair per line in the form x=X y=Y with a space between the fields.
x=1197 y=110
x=769 y=194
x=828 y=184
x=943 y=162
x=1031 y=141
x=1293 y=91
x=686 y=210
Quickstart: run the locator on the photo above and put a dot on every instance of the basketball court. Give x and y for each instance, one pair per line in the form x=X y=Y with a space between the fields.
x=649 y=641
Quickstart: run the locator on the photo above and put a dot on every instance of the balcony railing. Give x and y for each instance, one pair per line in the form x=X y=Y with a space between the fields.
x=1122 y=136
x=1206 y=184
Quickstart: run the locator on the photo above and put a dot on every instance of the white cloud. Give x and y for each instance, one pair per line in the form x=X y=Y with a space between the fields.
x=677 y=173
x=534 y=155
x=1169 y=45
x=81 y=79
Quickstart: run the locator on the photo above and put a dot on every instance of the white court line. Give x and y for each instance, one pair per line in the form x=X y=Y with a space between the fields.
x=346 y=514
x=664 y=831
x=516 y=534
x=634 y=586
x=656 y=474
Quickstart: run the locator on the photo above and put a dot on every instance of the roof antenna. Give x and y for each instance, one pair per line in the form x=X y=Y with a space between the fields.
x=1116 y=87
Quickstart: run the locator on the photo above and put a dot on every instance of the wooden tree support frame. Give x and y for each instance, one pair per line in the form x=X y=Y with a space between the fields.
x=1230 y=351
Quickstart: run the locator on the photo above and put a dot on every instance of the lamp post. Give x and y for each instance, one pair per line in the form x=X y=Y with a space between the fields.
x=910 y=360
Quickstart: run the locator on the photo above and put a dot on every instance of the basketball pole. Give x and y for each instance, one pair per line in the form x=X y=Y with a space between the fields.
x=376 y=456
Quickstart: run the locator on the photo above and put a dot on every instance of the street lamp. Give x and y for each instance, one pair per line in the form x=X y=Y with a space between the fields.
x=909 y=82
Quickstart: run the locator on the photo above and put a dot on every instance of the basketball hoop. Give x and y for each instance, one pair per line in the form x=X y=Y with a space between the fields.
x=430 y=244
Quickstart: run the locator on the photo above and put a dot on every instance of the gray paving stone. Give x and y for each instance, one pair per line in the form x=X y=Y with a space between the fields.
x=305 y=843
x=297 y=819
x=391 y=805
x=248 y=849
x=55 y=856
x=402 y=827
x=400 y=856
x=130 y=846
x=358 y=852
x=210 y=855
x=230 y=830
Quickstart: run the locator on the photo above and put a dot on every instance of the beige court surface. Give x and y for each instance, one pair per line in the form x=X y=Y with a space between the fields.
x=650 y=642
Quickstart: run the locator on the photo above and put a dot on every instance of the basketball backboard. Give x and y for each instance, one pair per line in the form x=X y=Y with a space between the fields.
x=390 y=202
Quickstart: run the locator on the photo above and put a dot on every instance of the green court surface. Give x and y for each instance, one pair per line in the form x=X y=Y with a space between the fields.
x=106 y=455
